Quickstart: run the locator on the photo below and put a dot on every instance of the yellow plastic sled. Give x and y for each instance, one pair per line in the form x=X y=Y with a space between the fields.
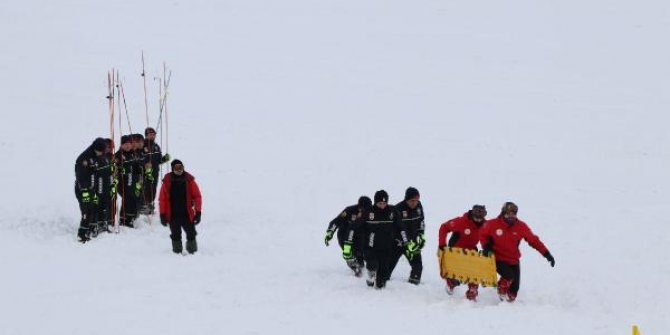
x=468 y=266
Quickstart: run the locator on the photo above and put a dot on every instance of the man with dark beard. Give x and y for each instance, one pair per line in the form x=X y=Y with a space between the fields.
x=180 y=204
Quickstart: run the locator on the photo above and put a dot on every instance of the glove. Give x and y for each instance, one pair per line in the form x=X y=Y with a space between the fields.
x=164 y=220
x=347 y=253
x=148 y=173
x=138 y=189
x=165 y=159
x=421 y=240
x=549 y=258
x=85 y=195
x=196 y=218
x=96 y=199
x=487 y=253
x=411 y=248
x=112 y=190
x=329 y=235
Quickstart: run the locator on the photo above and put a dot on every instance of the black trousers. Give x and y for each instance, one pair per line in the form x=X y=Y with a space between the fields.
x=150 y=190
x=379 y=261
x=87 y=210
x=510 y=272
x=179 y=223
x=128 y=211
x=416 y=263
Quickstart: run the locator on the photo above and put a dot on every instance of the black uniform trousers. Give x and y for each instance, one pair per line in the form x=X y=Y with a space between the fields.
x=128 y=211
x=179 y=223
x=379 y=261
x=510 y=272
x=416 y=263
x=358 y=247
x=87 y=210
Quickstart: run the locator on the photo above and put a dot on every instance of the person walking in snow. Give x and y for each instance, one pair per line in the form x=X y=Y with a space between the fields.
x=381 y=224
x=502 y=236
x=342 y=224
x=85 y=183
x=154 y=158
x=464 y=234
x=412 y=215
x=180 y=206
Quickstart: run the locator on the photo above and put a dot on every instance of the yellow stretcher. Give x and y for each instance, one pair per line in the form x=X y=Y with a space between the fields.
x=468 y=266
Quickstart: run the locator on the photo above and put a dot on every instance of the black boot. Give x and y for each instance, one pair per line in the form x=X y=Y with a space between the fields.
x=191 y=246
x=177 y=247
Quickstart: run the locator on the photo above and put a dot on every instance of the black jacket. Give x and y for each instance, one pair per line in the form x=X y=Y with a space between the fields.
x=412 y=218
x=104 y=174
x=84 y=168
x=381 y=227
x=343 y=221
x=125 y=165
x=153 y=155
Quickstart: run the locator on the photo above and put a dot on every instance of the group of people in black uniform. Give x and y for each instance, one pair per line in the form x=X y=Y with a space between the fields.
x=130 y=175
x=376 y=235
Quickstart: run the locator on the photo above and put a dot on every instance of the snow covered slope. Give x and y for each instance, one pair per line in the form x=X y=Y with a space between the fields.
x=288 y=111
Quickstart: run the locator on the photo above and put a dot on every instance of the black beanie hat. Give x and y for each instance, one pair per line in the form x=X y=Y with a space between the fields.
x=149 y=130
x=381 y=195
x=99 y=144
x=125 y=139
x=137 y=137
x=175 y=162
x=364 y=202
x=411 y=193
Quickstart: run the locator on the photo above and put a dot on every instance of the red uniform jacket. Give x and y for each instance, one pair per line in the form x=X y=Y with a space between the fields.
x=467 y=230
x=506 y=239
x=193 y=197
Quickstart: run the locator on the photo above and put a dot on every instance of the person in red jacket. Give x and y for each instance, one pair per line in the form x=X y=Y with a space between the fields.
x=502 y=236
x=464 y=234
x=180 y=203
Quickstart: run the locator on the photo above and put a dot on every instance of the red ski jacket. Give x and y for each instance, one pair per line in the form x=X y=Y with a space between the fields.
x=465 y=233
x=193 y=197
x=506 y=239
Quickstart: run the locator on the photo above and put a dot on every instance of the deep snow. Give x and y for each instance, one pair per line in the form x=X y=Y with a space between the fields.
x=288 y=111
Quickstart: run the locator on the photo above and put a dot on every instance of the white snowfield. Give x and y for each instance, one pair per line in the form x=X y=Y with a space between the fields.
x=288 y=111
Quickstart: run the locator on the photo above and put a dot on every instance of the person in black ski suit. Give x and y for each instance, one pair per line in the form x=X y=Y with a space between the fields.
x=412 y=215
x=125 y=165
x=380 y=225
x=140 y=162
x=105 y=190
x=84 y=185
x=154 y=156
x=341 y=224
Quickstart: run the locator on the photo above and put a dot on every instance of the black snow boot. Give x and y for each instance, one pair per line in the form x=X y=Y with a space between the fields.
x=177 y=247
x=191 y=246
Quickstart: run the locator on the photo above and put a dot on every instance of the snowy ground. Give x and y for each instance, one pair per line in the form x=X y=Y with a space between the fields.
x=288 y=111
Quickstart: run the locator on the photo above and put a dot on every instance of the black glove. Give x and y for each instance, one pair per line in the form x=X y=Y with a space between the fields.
x=487 y=252
x=549 y=258
x=196 y=218
x=164 y=220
